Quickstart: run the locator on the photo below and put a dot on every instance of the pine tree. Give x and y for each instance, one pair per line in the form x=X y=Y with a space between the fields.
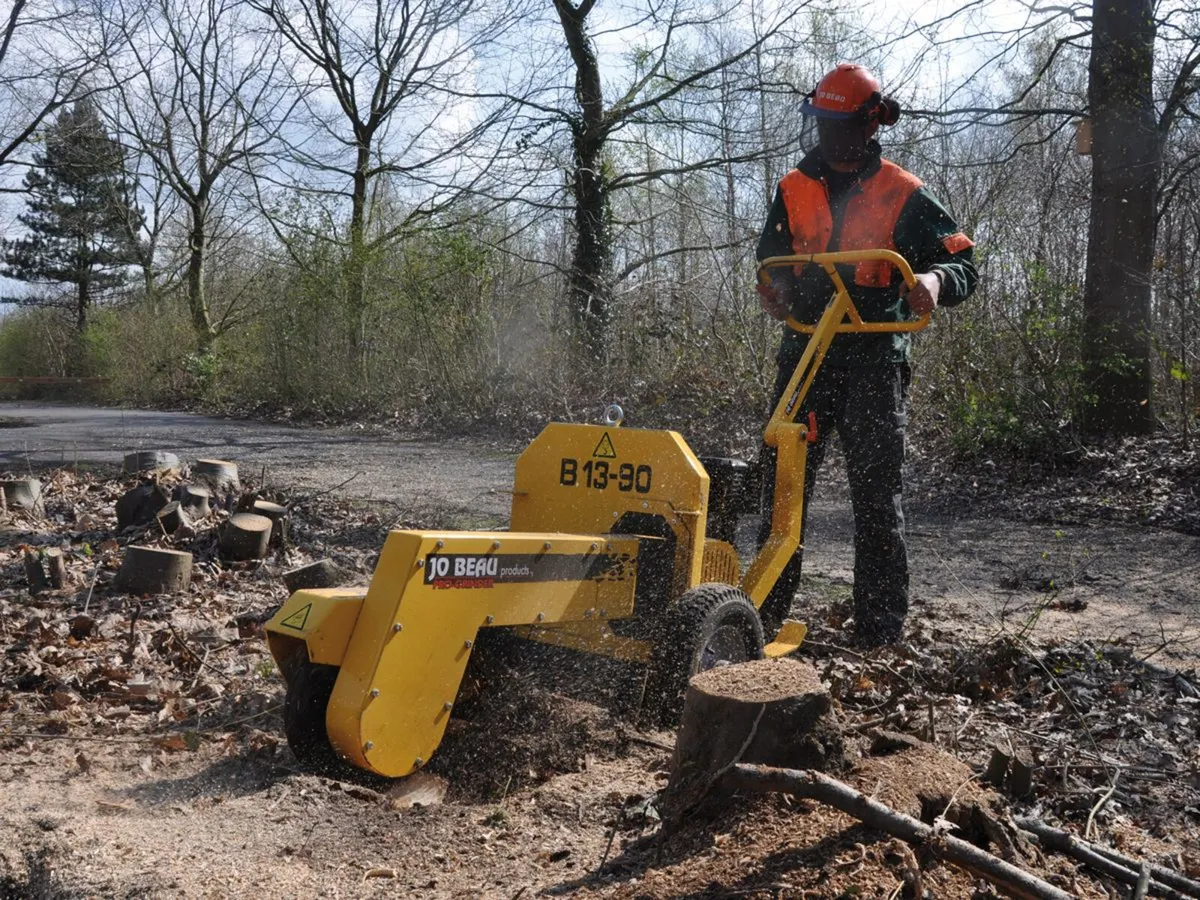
x=81 y=215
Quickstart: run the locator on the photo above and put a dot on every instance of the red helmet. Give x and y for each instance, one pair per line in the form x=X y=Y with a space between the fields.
x=851 y=92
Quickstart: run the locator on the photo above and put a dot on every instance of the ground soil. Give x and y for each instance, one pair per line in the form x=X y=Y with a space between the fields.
x=147 y=758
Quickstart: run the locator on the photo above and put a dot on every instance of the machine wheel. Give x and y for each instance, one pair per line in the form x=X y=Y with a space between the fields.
x=710 y=625
x=309 y=689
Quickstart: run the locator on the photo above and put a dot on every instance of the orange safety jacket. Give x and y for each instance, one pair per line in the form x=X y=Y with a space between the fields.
x=868 y=222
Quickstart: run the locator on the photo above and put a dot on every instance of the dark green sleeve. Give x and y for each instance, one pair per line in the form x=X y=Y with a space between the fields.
x=776 y=237
x=921 y=232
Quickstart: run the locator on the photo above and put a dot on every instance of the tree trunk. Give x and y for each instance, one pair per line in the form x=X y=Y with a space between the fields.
x=1126 y=160
x=356 y=265
x=197 y=301
x=589 y=283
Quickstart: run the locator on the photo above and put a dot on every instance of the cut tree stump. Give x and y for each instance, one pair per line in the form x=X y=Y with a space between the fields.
x=218 y=474
x=149 y=460
x=279 y=519
x=56 y=567
x=245 y=536
x=172 y=517
x=140 y=505
x=195 y=500
x=22 y=493
x=324 y=573
x=773 y=712
x=150 y=570
x=35 y=575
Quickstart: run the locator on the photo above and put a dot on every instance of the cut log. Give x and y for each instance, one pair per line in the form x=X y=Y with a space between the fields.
x=35 y=575
x=22 y=493
x=149 y=460
x=172 y=517
x=150 y=570
x=195 y=500
x=278 y=516
x=811 y=785
x=140 y=505
x=56 y=567
x=218 y=474
x=245 y=536
x=324 y=573
x=770 y=711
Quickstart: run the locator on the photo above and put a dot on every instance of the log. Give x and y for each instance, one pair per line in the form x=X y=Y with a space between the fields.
x=245 y=536
x=22 y=493
x=811 y=785
x=172 y=517
x=140 y=505
x=149 y=460
x=150 y=570
x=1163 y=881
x=195 y=500
x=279 y=519
x=219 y=474
x=324 y=573
x=770 y=711
x=56 y=567
x=35 y=575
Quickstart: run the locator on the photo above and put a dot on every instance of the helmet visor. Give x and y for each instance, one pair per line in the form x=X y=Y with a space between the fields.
x=808 y=108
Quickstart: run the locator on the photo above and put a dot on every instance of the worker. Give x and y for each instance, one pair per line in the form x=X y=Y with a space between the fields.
x=844 y=196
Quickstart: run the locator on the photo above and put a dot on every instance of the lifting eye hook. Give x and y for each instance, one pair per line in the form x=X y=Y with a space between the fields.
x=613 y=415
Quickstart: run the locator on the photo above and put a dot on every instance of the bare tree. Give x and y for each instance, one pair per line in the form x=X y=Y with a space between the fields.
x=201 y=98
x=391 y=69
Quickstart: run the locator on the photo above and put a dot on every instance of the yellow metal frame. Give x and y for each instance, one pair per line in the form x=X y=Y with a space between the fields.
x=791 y=438
x=322 y=619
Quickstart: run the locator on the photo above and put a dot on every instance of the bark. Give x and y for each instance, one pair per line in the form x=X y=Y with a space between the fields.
x=196 y=294
x=245 y=536
x=149 y=570
x=1126 y=161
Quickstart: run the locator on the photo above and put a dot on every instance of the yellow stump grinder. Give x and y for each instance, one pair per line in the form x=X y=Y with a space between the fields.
x=620 y=544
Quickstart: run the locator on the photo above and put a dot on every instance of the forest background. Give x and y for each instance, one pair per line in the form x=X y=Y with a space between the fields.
x=464 y=214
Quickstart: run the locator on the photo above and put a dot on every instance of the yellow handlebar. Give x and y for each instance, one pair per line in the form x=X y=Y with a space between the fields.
x=828 y=262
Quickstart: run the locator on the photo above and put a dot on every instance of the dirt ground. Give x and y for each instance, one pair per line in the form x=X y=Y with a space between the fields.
x=147 y=759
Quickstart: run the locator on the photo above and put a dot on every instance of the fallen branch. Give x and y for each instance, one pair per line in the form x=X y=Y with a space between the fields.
x=813 y=785
x=1110 y=862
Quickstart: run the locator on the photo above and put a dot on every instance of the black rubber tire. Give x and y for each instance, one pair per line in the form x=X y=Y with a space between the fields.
x=710 y=625
x=310 y=686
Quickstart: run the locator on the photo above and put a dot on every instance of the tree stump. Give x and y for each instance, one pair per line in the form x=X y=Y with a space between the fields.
x=324 y=573
x=149 y=570
x=35 y=575
x=279 y=519
x=220 y=475
x=195 y=500
x=245 y=536
x=770 y=711
x=22 y=493
x=172 y=517
x=140 y=505
x=149 y=460
x=56 y=566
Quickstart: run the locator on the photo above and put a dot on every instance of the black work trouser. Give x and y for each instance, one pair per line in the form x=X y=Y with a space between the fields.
x=868 y=407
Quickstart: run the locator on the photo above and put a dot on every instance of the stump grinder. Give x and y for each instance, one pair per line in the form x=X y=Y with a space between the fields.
x=621 y=543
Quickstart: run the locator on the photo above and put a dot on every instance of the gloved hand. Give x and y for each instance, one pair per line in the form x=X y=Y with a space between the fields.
x=773 y=305
x=923 y=298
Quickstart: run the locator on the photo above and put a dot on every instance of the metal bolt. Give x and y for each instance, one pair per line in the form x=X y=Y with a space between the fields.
x=418 y=762
x=447 y=706
x=397 y=628
x=420 y=563
x=490 y=619
x=645 y=504
x=374 y=692
x=595 y=546
x=541 y=617
x=468 y=644
x=495 y=545
x=588 y=613
x=546 y=546
x=440 y=544
x=603 y=613
x=369 y=745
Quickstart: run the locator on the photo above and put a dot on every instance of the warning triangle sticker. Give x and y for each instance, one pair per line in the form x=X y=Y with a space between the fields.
x=605 y=448
x=297 y=619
